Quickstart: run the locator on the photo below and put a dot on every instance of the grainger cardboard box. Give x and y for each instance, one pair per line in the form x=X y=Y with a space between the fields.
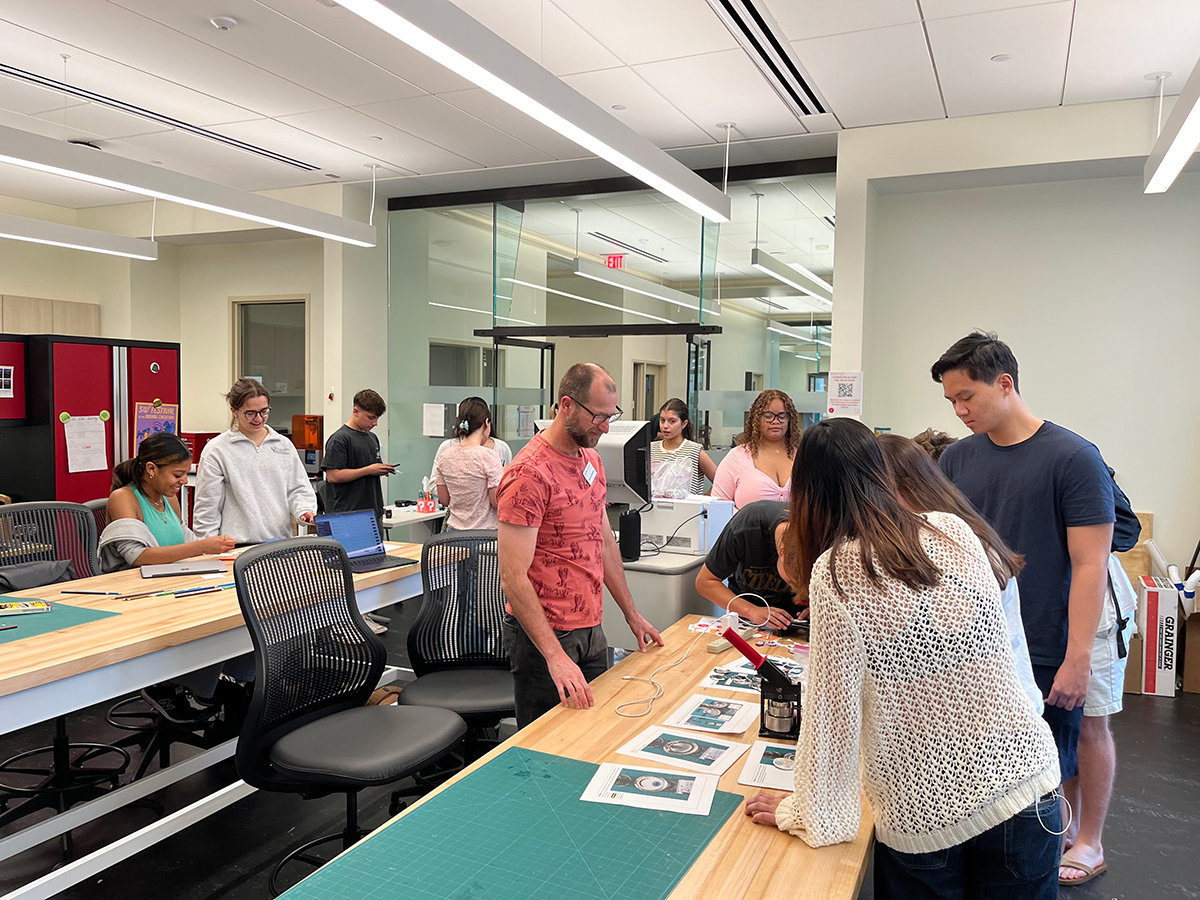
x=1133 y=666
x=1158 y=622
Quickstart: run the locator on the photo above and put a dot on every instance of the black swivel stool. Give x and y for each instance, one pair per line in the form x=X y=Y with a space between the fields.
x=316 y=663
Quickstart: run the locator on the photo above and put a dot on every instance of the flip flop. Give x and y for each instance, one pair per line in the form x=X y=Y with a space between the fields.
x=384 y=696
x=1089 y=871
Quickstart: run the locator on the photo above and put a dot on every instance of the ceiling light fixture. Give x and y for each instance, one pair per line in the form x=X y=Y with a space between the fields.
x=55 y=234
x=447 y=35
x=1178 y=139
x=784 y=330
x=43 y=154
x=1001 y=57
x=482 y=312
x=813 y=358
x=791 y=276
x=627 y=282
x=557 y=293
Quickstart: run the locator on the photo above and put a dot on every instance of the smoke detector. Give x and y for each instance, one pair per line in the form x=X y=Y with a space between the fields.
x=223 y=23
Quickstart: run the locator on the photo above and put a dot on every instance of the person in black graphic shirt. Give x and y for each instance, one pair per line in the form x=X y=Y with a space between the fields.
x=747 y=553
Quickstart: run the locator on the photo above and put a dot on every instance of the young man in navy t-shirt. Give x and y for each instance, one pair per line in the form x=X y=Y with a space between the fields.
x=1048 y=494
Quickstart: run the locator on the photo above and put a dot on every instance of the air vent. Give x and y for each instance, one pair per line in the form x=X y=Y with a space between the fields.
x=752 y=27
x=829 y=220
x=113 y=103
x=625 y=246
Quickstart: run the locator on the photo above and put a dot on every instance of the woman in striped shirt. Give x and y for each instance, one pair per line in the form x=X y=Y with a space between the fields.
x=678 y=442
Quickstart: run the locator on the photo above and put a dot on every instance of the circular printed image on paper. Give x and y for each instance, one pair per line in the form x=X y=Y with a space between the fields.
x=681 y=748
x=651 y=783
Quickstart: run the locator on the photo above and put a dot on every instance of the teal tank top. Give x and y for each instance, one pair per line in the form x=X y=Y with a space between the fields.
x=165 y=526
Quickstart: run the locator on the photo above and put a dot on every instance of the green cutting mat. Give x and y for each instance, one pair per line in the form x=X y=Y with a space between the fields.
x=516 y=828
x=60 y=616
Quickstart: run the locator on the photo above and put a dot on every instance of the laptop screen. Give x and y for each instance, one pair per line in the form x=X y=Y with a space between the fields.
x=357 y=531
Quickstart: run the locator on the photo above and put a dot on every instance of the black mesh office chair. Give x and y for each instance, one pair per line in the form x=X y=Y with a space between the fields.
x=45 y=543
x=455 y=645
x=316 y=663
x=99 y=510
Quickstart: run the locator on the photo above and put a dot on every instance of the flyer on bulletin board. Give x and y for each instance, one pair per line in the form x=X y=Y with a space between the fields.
x=149 y=419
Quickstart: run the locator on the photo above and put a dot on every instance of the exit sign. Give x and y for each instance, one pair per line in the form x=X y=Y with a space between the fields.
x=615 y=260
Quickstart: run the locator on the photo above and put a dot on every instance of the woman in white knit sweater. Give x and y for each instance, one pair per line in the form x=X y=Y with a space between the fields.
x=913 y=696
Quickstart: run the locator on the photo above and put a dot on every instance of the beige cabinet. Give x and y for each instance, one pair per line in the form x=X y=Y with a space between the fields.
x=36 y=315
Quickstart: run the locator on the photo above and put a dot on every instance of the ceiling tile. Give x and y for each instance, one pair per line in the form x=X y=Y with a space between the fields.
x=495 y=112
x=897 y=86
x=544 y=33
x=102 y=121
x=721 y=87
x=180 y=151
x=1036 y=38
x=639 y=32
x=361 y=37
x=943 y=9
x=277 y=45
x=354 y=148
x=1115 y=44
x=443 y=125
x=37 y=53
x=27 y=99
x=110 y=31
x=646 y=112
x=817 y=18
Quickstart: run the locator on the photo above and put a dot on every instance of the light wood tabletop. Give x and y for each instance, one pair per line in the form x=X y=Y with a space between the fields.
x=744 y=861
x=146 y=624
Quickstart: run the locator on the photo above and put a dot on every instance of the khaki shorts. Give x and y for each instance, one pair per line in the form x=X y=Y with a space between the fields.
x=1106 y=688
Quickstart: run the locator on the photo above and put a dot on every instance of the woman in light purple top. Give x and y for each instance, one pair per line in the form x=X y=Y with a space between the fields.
x=760 y=466
x=468 y=473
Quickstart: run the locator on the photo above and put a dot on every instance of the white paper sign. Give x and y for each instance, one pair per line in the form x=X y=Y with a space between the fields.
x=6 y=381
x=770 y=765
x=680 y=792
x=845 y=394
x=525 y=417
x=433 y=420
x=671 y=747
x=714 y=714
x=87 y=446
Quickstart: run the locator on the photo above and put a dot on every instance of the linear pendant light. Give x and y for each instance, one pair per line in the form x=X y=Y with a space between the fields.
x=55 y=234
x=588 y=300
x=768 y=265
x=585 y=269
x=1178 y=139
x=447 y=35
x=780 y=328
x=43 y=154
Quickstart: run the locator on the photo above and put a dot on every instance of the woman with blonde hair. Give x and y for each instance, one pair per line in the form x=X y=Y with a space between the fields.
x=760 y=466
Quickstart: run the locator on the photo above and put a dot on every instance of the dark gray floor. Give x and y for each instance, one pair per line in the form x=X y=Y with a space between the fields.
x=1152 y=827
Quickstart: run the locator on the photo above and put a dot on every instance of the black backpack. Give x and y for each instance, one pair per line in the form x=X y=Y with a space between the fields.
x=1126 y=529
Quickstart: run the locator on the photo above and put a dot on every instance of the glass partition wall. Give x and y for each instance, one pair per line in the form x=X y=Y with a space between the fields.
x=559 y=271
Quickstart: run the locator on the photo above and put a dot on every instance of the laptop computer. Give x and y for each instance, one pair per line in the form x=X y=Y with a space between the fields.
x=358 y=532
x=187 y=567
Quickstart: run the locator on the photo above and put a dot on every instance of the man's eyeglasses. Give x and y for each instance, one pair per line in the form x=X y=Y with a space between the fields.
x=768 y=416
x=256 y=413
x=600 y=418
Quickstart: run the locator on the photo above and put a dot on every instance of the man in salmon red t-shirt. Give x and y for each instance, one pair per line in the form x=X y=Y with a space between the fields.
x=557 y=552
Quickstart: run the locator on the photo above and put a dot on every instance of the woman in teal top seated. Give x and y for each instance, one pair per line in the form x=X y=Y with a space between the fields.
x=145 y=526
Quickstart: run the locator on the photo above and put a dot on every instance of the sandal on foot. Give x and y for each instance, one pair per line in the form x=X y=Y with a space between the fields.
x=1090 y=872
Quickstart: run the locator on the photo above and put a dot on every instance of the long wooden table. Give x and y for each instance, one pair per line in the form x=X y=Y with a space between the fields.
x=745 y=861
x=154 y=639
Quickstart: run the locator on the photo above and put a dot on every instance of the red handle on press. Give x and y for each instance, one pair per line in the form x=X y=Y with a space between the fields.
x=756 y=658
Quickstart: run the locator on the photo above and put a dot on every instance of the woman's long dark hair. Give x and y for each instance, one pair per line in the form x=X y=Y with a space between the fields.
x=680 y=409
x=162 y=449
x=922 y=487
x=841 y=493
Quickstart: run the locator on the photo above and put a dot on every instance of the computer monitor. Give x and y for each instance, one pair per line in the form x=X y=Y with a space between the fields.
x=625 y=452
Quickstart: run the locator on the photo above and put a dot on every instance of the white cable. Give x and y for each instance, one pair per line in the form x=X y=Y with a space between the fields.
x=371 y=214
x=658 y=688
x=1070 y=814
x=756 y=597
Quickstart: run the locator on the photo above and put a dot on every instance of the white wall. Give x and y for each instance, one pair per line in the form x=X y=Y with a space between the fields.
x=1093 y=284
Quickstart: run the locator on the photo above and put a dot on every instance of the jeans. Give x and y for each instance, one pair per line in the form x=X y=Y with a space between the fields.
x=536 y=692
x=1015 y=860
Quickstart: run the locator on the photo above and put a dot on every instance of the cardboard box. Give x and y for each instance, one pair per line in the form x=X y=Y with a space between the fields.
x=1133 y=666
x=1158 y=621
x=1147 y=520
x=1135 y=562
x=1191 y=655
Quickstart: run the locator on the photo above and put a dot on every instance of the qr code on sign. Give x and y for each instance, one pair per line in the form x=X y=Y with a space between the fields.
x=845 y=391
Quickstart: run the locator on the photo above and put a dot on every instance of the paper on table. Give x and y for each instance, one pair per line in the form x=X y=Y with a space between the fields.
x=87 y=444
x=433 y=420
x=213 y=576
x=672 y=747
x=741 y=676
x=652 y=789
x=713 y=714
x=770 y=765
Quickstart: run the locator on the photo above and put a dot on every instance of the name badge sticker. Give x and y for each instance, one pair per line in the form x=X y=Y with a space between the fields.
x=589 y=473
